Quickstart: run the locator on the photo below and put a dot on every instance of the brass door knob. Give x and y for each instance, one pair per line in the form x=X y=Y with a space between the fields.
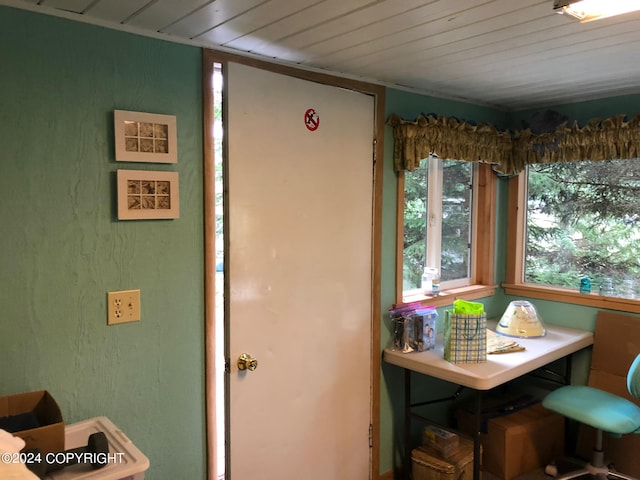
x=245 y=362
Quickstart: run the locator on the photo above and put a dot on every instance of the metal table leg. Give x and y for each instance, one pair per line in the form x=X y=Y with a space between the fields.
x=476 y=436
x=406 y=468
x=409 y=415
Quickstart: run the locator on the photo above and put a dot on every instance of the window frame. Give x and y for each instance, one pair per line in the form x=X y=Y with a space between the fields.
x=483 y=235
x=514 y=279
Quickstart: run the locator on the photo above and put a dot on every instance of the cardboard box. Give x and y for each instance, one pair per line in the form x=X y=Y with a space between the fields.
x=426 y=464
x=444 y=442
x=35 y=417
x=519 y=442
x=616 y=344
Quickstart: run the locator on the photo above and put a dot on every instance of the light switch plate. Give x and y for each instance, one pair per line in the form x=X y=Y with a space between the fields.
x=123 y=306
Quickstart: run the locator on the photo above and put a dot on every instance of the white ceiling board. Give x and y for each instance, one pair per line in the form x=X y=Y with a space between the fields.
x=76 y=6
x=464 y=50
x=492 y=44
x=253 y=20
x=323 y=42
x=322 y=12
x=561 y=89
x=342 y=30
x=596 y=73
x=573 y=57
x=115 y=10
x=160 y=14
x=257 y=22
x=211 y=16
x=509 y=54
x=520 y=68
x=419 y=40
x=460 y=55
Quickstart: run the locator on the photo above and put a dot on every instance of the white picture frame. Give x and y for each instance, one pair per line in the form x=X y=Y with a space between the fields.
x=145 y=137
x=147 y=195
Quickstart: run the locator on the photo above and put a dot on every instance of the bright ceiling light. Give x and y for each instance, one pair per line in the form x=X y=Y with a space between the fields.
x=589 y=10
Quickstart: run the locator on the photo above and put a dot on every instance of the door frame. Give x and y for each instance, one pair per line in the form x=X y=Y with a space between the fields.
x=209 y=58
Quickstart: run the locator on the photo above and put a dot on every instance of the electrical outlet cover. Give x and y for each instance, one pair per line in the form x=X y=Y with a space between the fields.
x=123 y=306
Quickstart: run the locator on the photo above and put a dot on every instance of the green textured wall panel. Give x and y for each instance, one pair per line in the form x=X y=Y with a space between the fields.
x=62 y=248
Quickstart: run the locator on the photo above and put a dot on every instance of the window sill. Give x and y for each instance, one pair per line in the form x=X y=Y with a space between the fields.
x=447 y=297
x=567 y=295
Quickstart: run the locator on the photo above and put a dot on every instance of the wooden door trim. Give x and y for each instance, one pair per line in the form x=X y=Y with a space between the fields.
x=209 y=58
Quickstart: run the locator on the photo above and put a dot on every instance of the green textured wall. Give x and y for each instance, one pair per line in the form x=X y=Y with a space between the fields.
x=62 y=247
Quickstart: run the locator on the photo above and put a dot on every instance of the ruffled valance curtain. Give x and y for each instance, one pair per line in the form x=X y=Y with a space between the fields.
x=447 y=138
x=612 y=138
x=511 y=152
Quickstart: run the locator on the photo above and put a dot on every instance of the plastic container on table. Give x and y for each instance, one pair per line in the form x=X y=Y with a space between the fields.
x=126 y=462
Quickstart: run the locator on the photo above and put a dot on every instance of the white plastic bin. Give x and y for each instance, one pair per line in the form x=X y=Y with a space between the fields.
x=126 y=462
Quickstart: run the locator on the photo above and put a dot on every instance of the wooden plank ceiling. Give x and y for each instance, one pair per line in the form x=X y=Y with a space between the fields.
x=512 y=55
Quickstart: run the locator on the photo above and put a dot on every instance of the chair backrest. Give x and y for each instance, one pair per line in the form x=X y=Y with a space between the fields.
x=633 y=378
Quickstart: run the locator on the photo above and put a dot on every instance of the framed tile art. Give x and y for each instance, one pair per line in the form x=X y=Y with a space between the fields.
x=145 y=137
x=144 y=194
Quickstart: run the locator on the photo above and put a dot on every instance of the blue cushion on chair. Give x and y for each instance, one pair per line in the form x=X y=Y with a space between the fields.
x=602 y=410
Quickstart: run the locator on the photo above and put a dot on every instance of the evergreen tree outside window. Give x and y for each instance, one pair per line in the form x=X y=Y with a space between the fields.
x=438 y=216
x=583 y=219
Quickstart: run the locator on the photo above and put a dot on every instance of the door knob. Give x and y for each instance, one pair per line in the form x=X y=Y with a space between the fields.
x=245 y=362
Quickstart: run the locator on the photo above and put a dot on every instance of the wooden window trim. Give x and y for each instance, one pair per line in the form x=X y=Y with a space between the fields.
x=514 y=279
x=483 y=239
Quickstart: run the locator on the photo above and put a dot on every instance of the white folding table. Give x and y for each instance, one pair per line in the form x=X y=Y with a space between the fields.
x=558 y=343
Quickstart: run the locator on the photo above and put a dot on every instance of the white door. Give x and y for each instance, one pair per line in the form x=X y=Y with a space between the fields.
x=300 y=201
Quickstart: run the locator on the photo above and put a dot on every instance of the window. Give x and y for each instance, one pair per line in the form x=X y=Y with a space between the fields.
x=575 y=220
x=438 y=200
x=438 y=206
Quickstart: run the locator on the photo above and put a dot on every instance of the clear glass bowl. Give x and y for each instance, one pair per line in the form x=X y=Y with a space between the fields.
x=521 y=320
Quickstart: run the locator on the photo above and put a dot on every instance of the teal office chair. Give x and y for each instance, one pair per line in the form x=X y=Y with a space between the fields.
x=603 y=411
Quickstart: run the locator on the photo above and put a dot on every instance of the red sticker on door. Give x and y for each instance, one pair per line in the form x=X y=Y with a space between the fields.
x=311 y=120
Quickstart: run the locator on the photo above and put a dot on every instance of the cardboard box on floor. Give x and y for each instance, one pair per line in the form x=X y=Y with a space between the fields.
x=519 y=442
x=35 y=417
x=616 y=345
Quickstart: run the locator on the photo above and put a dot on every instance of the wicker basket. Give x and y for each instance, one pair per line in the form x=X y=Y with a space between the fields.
x=427 y=464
